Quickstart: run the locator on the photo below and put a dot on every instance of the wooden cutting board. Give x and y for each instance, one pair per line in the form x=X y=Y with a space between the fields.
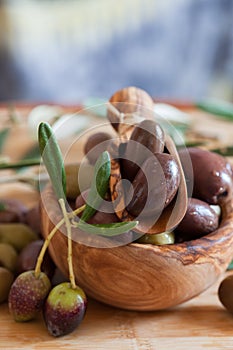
x=201 y=323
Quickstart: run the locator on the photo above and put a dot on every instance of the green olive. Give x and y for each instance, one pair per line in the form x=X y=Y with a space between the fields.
x=76 y=180
x=158 y=239
x=6 y=280
x=16 y=234
x=8 y=256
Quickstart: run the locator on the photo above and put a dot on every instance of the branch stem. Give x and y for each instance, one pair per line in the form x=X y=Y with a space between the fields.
x=69 y=236
x=50 y=236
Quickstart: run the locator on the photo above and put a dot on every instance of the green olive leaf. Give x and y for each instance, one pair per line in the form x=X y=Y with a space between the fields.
x=3 y=137
x=3 y=206
x=20 y=164
x=52 y=158
x=108 y=230
x=99 y=185
x=230 y=267
x=220 y=108
x=224 y=151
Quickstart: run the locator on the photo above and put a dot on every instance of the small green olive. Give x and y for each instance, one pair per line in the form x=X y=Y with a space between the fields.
x=16 y=234
x=77 y=180
x=158 y=239
x=8 y=256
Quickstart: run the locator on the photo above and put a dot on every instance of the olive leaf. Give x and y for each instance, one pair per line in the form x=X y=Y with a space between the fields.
x=108 y=230
x=99 y=185
x=20 y=164
x=3 y=136
x=3 y=206
x=52 y=158
x=220 y=108
x=224 y=151
x=230 y=267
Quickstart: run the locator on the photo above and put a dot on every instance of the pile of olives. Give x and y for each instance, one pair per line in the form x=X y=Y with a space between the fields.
x=20 y=245
x=16 y=234
x=144 y=156
x=212 y=186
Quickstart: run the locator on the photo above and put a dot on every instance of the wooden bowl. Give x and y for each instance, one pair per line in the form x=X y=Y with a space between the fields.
x=139 y=276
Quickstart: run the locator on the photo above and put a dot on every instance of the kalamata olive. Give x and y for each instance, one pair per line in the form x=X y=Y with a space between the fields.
x=162 y=172
x=148 y=134
x=158 y=239
x=199 y=220
x=172 y=175
x=225 y=293
x=95 y=145
x=105 y=213
x=28 y=257
x=11 y=210
x=212 y=175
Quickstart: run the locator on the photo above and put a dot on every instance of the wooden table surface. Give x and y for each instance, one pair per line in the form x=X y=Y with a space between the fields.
x=201 y=323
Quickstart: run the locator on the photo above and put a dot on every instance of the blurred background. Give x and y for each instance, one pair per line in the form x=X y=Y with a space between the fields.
x=66 y=51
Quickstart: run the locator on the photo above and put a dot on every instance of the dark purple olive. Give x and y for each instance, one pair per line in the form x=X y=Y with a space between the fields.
x=12 y=210
x=225 y=293
x=95 y=145
x=28 y=257
x=105 y=213
x=147 y=137
x=212 y=175
x=199 y=220
x=172 y=175
x=154 y=186
x=27 y=295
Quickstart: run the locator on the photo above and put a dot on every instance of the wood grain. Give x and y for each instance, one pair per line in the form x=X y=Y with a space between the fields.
x=201 y=323
x=130 y=100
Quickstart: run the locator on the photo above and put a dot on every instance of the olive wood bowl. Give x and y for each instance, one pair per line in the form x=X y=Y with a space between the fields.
x=143 y=276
